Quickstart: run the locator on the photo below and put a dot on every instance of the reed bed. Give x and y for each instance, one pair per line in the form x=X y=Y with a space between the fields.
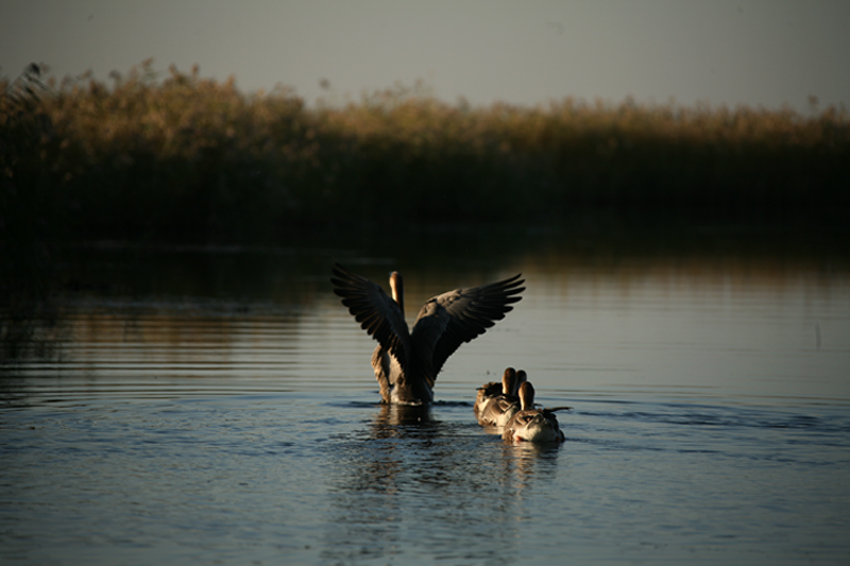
x=179 y=157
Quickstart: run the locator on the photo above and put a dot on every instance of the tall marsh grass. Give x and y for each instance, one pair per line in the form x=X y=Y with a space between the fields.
x=183 y=157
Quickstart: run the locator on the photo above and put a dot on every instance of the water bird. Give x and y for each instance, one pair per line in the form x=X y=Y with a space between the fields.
x=493 y=389
x=496 y=407
x=531 y=423
x=406 y=362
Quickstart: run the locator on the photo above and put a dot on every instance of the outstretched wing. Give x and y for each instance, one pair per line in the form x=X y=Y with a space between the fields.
x=376 y=311
x=448 y=320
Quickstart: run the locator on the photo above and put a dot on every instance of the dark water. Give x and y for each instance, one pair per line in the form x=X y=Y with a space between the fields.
x=217 y=406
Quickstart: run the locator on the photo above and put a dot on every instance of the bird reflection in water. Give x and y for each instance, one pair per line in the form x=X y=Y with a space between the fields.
x=398 y=421
x=407 y=447
x=427 y=472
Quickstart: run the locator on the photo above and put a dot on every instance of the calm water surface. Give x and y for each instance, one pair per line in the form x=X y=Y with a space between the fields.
x=199 y=406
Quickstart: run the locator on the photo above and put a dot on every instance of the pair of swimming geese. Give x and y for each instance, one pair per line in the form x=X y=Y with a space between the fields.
x=407 y=361
x=510 y=406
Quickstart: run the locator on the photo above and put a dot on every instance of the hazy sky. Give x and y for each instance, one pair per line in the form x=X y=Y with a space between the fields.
x=525 y=52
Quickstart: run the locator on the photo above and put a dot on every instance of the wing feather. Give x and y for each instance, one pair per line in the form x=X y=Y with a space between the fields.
x=450 y=319
x=377 y=313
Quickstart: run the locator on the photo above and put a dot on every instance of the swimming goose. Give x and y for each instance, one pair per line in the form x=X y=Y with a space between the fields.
x=406 y=362
x=532 y=424
x=493 y=389
x=496 y=410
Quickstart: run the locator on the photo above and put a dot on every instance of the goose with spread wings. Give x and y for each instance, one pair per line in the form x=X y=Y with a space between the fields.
x=406 y=362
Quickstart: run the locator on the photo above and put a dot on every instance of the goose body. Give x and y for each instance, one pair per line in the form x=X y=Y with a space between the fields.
x=532 y=424
x=407 y=361
x=493 y=389
x=496 y=410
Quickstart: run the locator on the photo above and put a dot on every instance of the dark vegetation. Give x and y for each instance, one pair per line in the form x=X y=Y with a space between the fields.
x=182 y=158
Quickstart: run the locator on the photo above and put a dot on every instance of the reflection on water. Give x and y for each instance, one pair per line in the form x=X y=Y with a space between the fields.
x=423 y=485
x=200 y=405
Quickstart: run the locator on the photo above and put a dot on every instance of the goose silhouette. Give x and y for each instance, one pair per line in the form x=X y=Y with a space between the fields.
x=407 y=361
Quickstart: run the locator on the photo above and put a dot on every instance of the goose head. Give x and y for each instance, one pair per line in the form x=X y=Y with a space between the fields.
x=509 y=381
x=397 y=287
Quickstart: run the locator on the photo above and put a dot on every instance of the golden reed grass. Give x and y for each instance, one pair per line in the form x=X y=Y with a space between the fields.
x=181 y=156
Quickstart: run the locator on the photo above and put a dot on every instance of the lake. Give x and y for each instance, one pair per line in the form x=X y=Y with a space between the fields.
x=215 y=405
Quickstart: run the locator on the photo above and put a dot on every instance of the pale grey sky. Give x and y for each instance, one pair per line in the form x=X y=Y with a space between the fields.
x=757 y=52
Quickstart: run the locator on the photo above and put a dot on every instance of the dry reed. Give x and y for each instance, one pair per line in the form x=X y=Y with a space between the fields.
x=184 y=157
